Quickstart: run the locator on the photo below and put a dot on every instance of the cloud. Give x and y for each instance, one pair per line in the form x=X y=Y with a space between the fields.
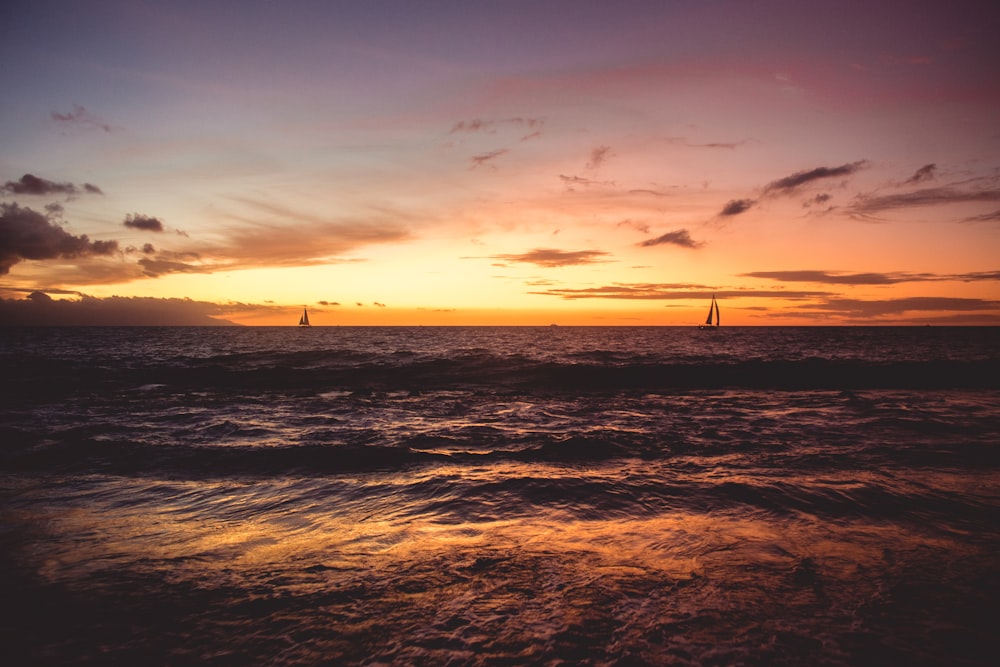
x=728 y=145
x=79 y=117
x=160 y=265
x=143 y=222
x=818 y=200
x=867 y=205
x=571 y=181
x=29 y=184
x=39 y=309
x=985 y=217
x=678 y=237
x=669 y=291
x=837 y=278
x=550 y=258
x=484 y=158
x=736 y=206
x=861 y=308
x=792 y=182
x=275 y=235
x=925 y=173
x=27 y=234
x=598 y=157
x=640 y=226
x=491 y=126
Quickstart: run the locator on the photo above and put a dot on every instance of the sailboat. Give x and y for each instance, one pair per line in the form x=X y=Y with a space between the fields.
x=708 y=321
x=304 y=320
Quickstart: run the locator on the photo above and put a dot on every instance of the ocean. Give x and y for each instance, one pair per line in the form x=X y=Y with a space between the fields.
x=500 y=496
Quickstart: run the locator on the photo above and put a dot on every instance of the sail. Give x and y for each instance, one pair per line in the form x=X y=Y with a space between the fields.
x=708 y=321
x=716 y=304
x=304 y=320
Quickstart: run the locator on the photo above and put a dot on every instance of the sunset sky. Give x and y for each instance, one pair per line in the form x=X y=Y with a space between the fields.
x=507 y=162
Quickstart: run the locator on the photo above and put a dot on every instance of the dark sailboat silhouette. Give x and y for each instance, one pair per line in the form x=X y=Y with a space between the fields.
x=304 y=320
x=708 y=321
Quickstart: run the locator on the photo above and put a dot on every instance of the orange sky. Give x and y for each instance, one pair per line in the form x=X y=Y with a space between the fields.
x=508 y=164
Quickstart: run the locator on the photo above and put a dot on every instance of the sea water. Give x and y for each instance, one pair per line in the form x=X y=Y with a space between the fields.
x=500 y=496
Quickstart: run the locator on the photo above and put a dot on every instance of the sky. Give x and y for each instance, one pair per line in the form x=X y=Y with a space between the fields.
x=508 y=162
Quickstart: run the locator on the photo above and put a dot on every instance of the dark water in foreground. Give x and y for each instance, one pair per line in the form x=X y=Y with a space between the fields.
x=500 y=496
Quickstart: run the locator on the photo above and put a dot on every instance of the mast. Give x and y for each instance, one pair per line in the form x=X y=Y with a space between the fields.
x=716 y=304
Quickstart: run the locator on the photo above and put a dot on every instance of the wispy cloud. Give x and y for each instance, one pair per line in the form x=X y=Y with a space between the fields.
x=790 y=184
x=486 y=158
x=867 y=309
x=79 y=117
x=598 y=156
x=275 y=235
x=869 y=205
x=166 y=262
x=27 y=234
x=925 y=173
x=29 y=184
x=551 y=258
x=678 y=237
x=669 y=292
x=985 y=217
x=492 y=126
x=634 y=224
x=574 y=182
x=727 y=145
x=838 y=278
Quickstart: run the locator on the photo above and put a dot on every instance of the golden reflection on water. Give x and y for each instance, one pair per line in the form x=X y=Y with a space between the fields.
x=364 y=574
x=228 y=535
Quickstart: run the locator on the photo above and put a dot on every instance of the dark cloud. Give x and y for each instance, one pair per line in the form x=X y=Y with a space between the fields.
x=790 y=183
x=555 y=258
x=27 y=234
x=329 y=303
x=925 y=173
x=29 y=184
x=865 y=309
x=818 y=200
x=599 y=156
x=867 y=205
x=39 y=309
x=836 y=278
x=79 y=117
x=173 y=262
x=678 y=237
x=484 y=158
x=143 y=222
x=736 y=206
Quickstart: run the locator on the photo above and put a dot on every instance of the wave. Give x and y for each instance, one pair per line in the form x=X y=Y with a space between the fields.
x=359 y=373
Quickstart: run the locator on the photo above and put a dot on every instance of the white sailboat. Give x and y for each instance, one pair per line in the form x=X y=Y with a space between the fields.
x=708 y=321
x=304 y=320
